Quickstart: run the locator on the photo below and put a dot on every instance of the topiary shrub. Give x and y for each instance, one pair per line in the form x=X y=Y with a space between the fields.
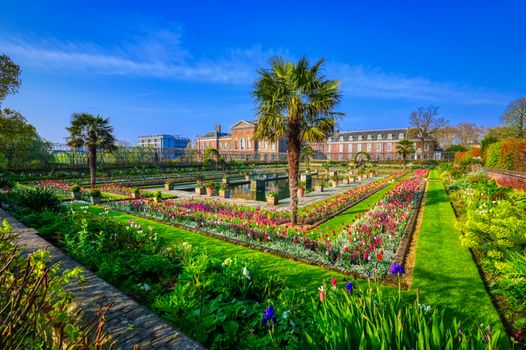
x=39 y=198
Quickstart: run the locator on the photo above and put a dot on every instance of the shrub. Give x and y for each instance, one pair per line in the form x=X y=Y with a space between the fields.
x=158 y=194
x=6 y=182
x=37 y=199
x=75 y=188
x=493 y=154
x=210 y=184
x=95 y=193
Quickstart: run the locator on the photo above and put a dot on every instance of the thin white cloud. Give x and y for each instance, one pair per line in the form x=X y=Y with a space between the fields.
x=160 y=54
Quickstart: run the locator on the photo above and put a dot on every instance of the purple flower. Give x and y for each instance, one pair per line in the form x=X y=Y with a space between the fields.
x=396 y=269
x=349 y=288
x=268 y=315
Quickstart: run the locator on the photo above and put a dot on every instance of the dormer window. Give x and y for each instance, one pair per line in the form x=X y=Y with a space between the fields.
x=369 y=137
x=341 y=139
x=379 y=137
x=389 y=136
x=359 y=137
x=400 y=135
x=351 y=138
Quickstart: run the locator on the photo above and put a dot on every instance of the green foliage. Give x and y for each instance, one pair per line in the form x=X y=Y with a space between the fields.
x=493 y=154
x=9 y=77
x=37 y=199
x=6 y=182
x=456 y=148
x=35 y=308
x=369 y=319
x=95 y=193
x=158 y=194
x=75 y=188
x=210 y=184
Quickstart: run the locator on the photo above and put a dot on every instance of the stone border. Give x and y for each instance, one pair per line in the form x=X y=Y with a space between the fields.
x=127 y=322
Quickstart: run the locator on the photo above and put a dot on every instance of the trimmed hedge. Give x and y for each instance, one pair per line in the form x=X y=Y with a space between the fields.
x=508 y=155
x=471 y=153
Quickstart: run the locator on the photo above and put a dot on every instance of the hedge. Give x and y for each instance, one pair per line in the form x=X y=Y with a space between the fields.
x=508 y=155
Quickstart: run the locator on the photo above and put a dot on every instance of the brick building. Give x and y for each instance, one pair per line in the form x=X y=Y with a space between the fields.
x=379 y=144
x=239 y=143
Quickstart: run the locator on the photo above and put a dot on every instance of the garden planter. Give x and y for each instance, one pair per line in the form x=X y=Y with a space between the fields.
x=95 y=200
x=157 y=200
x=168 y=187
x=226 y=181
x=301 y=192
x=209 y=192
x=351 y=180
x=272 y=200
x=200 y=190
x=135 y=195
x=334 y=183
x=199 y=182
x=224 y=193
x=75 y=195
x=318 y=188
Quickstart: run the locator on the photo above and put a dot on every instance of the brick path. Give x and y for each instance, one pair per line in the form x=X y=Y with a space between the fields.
x=127 y=321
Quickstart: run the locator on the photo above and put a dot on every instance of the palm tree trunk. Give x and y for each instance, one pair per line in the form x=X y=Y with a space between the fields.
x=92 y=163
x=294 y=165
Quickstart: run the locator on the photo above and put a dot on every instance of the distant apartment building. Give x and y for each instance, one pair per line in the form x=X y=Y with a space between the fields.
x=379 y=144
x=163 y=141
x=240 y=141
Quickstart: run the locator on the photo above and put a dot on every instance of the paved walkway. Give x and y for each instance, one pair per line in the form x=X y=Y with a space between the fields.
x=127 y=321
x=308 y=199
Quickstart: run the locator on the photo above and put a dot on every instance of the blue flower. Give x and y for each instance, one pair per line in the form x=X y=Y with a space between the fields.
x=349 y=288
x=396 y=269
x=268 y=315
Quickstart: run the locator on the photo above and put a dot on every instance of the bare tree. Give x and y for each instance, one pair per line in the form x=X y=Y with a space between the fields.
x=515 y=117
x=469 y=134
x=446 y=136
x=425 y=125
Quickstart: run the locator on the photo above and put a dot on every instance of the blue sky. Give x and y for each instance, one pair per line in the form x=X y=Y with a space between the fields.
x=181 y=67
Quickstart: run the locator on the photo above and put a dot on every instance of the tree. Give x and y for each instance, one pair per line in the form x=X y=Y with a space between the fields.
x=9 y=77
x=446 y=136
x=307 y=153
x=93 y=133
x=515 y=117
x=469 y=134
x=425 y=124
x=212 y=154
x=404 y=148
x=296 y=101
x=16 y=136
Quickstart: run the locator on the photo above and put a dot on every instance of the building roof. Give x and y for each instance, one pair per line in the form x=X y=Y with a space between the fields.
x=213 y=134
x=239 y=123
x=164 y=136
x=365 y=133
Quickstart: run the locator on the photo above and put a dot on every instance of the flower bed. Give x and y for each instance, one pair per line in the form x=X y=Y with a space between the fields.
x=324 y=209
x=359 y=248
x=65 y=188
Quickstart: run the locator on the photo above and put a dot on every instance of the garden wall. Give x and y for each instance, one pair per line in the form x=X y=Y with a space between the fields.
x=127 y=322
x=508 y=178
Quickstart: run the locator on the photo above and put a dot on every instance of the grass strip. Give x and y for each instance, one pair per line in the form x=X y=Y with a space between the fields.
x=445 y=273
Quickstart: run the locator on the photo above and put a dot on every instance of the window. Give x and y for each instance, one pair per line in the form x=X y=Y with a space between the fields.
x=359 y=147
x=369 y=146
x=369 y=137
x=266 y=146
x=359 y=137
x=273 y=146
x=378 y=147
x=351 y=138
x=249 y=144
x=341 y=148
x=389 y=136
x=400 y=135
x=389 y=147
x=426 y=146
x=341 y=138
x=330 y=139
x=242 y=143
x=379 y=137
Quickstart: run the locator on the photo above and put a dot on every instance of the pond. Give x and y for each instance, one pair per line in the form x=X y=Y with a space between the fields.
x=242 y=191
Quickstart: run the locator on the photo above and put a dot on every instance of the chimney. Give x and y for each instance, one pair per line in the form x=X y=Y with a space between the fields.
x=218 y=128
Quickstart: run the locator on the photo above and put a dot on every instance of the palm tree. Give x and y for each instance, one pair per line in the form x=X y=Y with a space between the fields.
x=405 y=147
x=93 y=133
x=307 y=153
x=294 y=100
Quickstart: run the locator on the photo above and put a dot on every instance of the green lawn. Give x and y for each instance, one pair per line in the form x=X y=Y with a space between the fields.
x=350 y=215
x=445 y=272
x=296 y=274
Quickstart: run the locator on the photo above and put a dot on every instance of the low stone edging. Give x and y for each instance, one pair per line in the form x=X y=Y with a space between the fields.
x=127 y=322
x=508 y=178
